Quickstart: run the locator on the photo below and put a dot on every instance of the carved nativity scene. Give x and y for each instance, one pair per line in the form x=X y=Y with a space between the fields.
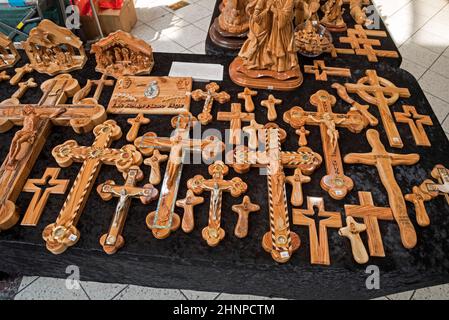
x=8 y=53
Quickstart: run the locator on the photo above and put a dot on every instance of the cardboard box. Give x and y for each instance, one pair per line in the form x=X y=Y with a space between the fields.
x=123 y=19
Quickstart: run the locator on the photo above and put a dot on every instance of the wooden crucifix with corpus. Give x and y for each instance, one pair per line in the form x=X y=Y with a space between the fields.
x=209 y=96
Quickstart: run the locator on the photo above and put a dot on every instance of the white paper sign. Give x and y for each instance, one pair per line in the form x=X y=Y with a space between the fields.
x=198 y=71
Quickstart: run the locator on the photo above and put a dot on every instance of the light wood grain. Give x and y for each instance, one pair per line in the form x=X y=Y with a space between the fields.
x=209 y=95
x=321 y=71
x=416 y=123
x=243 y=210
x=352 y=232
x=188 y=203
x=235 y=117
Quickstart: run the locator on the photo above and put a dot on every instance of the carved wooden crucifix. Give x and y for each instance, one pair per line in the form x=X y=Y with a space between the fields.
x=209 y=96
x=243 y=210
x=37 y=121
x=113 y=240
x=318 y=242
x=381 y=93
x=370 y=215
x=252 y=132
x=280 y=242
x=63 y=233
x=384 y=163
x=271 y=104
x=321 y=71
x=236 y=117
x=214 y=233
x=416 y=123
x=248 y=95
x=164 y=220
x=336 y=183
x=188 y=203
x=135 y=123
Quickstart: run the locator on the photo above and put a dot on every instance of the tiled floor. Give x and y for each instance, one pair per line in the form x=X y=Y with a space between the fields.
x=419 y=27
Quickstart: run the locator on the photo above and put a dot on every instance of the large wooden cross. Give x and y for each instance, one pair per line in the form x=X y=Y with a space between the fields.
x=36 y=121
x=416 y=123
x=164 y=220
x=280 y=242
x=384 y=163
x=381 y=93
x=209 y=96
x=214 y=233
x=335 y=182
x=63 y=233
x=236 y=117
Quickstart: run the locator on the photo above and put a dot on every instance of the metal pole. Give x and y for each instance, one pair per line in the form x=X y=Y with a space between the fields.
x=97 y=22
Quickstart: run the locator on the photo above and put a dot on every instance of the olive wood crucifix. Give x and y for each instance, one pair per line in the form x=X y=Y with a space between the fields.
x=209 y=96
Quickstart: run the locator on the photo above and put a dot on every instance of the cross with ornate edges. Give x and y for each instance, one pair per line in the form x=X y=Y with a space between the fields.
x=214 y=233
x=209 y=96
x=37 y=121
x=384 y=162
x=113 y=240
x=416 y=123
x=164 y=220
x=63 y=233
x=336 y=183
x=280 y=242
x=236 y=117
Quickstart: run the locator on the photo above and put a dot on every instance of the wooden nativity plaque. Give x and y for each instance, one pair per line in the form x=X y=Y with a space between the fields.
x=151 y=95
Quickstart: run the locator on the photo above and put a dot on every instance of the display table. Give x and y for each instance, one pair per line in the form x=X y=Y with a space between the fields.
x=240 y=266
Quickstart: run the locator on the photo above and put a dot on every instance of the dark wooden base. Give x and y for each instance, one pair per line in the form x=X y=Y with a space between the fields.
x=225 y=39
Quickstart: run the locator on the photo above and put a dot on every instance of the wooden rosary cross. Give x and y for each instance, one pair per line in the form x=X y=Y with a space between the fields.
x=113 y=240
x=243 y=210
x=248 y=95
x=63 y=233
x=271 y=104
x=336 y=183
x=384 y=163
x=154 y=162
x=236 y=117
x=210 y=95
x=135 y=126
x=321 y=71
x=318 y=242
x=40 y=198
x=381 y=93
x=416 y=122
x=213 y=233
x=188 y=203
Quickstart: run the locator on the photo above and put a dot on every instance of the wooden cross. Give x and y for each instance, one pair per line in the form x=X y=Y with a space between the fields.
x=336 y=183
x=280 y=242
x=243 y=210
x=23 y=88
x=271 y=104
x=321 y=71
x=20 y=73
x=164 y=220
x=209 y=96
x=236 y=117
x=416 y=123
x=113 y=240
x=135 y=126
x=213 y=233
x=4 y=76
x=63 y=233
x=384 y=163
x=352 y=232
x=154 y=162
x=252 y=132
x=302 y=133
x=81 y=95
x=370 y=215
x=40 y=198
x=188 y=203
x=27 y=143
x=248 y=95
x=381 y=93
x=318 y=242
x=296 y=181
x=441 y=174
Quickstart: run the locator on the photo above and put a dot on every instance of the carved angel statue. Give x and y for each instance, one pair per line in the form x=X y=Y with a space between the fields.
x=333 y=15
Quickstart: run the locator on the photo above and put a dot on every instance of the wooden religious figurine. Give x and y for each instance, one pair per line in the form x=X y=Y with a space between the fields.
x=230 y=29
x=384 y=163
x=247 y=95
x=37 y=121
x=188 y=203
x=352 y=232
x=8 y=53
x=310 y=41
x=271 y=104
x=268 y=58
x=306 y=10
x=213 y=233
x=52 y=49
x=333 y=16
x=243 y=210
x=358 y=13
x=154 y=162
x=416 y=123
x=318 y=240
x=63 y=233
x=122 y=54
x=113 y=240
x=209 y=96
x=235 y=117
x=41 y=194
x=135 y=126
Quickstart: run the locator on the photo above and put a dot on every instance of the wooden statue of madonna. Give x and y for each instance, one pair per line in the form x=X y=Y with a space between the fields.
x=268 y=58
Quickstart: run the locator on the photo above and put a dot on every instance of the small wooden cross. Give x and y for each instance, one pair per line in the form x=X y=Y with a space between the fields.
x=154 y=162
x=321 y=71
x=384 y=163
x=248 y=95
x=81 y=95
x=209 y=96
x=20 y=73
x=213 y=233
x=40 y=198
x=113 y=240
x=271 y=104
x=319 y=246
x=418 y=196
x=296 y=181
x=302 y=133
x=135 y=126
x=23 y=88
x=441 y=174
x=4 y=76
x=236 y=117
x=253 y=135
x=352 y=232
x=63 y=233
x=188 y=203
x=416 y=123
x=243 y=210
